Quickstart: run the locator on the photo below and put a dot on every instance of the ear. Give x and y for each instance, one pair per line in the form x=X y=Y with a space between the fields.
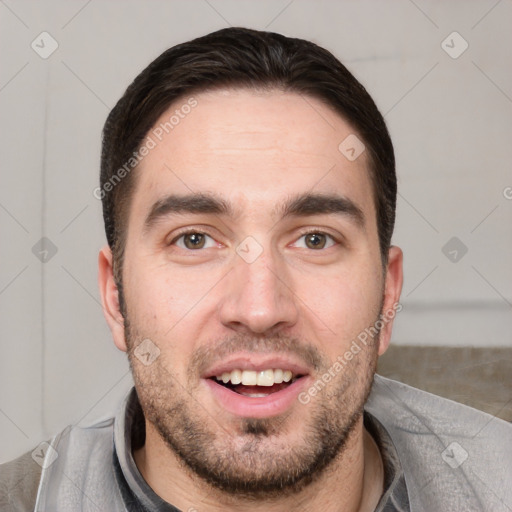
x=392 y=290
x=110 y=298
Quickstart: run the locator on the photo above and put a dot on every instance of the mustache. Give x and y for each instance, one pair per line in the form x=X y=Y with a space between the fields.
x=216 y=351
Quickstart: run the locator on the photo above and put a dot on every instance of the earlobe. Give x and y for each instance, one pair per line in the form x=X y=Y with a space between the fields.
x=110 y=298
x=392 y=290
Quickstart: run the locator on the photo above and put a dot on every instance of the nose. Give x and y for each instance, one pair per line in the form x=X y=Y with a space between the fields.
x=259 y=296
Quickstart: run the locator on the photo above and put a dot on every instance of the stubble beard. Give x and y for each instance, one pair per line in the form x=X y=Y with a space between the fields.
x=252 y=459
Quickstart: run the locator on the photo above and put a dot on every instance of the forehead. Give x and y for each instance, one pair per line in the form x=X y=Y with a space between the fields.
x=252 y=147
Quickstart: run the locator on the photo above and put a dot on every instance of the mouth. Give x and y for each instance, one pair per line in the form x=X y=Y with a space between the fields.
x=246 y=388
x=256 y=384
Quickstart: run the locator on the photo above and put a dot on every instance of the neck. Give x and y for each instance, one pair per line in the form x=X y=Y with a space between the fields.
x=353 y=482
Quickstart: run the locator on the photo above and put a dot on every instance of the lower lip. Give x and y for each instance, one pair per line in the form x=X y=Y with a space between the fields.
x=257 y=407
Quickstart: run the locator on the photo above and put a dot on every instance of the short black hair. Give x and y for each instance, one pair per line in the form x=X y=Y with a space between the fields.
x=238 y=58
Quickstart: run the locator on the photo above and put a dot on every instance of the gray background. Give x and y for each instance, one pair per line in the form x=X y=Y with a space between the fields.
x=450 y=119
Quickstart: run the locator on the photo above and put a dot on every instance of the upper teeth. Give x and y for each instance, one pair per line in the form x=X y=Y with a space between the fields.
x=254 y=378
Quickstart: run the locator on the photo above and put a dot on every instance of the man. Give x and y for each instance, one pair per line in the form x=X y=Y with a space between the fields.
x=249 y=191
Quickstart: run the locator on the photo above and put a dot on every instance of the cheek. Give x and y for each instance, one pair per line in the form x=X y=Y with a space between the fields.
x=161 y=301
x=342 y=306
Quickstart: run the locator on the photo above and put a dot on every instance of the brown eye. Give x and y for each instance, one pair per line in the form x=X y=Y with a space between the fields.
x=194 y=240
x=315 y=240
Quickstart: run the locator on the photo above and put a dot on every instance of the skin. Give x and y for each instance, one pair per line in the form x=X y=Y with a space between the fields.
x=255 y=150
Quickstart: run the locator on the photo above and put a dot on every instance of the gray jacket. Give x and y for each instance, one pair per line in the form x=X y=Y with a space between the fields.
x=454 y=458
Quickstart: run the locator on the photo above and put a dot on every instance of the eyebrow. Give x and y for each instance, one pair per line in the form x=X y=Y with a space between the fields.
x=318 y=204
x=190 y=203
x=298 y=206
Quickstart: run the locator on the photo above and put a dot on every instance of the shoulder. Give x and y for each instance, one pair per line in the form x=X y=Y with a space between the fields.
x=19 y=481
x=450 y=453
x=405 y=406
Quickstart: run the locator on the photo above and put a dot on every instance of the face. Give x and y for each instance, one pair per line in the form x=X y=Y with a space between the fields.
x=252 y=263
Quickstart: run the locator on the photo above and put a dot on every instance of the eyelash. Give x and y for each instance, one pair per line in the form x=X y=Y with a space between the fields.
x=309 y=231
x=317 y=231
